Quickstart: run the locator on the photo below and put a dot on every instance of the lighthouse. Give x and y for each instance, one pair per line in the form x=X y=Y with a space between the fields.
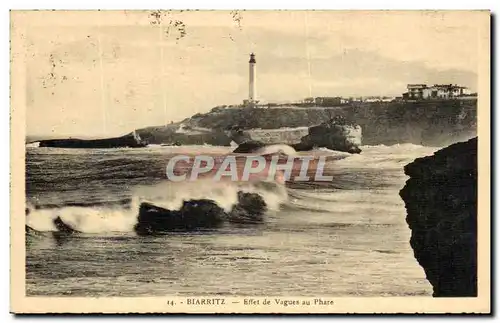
x=252 y=82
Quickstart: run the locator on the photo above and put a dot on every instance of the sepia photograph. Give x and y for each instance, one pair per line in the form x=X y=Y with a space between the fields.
x=250 y=161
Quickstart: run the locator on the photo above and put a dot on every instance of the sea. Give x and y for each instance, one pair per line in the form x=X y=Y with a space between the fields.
x=347 y=237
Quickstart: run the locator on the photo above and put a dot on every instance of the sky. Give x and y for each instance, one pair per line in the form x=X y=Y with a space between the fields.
x=110 y=72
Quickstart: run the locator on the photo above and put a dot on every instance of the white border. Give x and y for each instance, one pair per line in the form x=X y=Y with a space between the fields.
x=145 y=4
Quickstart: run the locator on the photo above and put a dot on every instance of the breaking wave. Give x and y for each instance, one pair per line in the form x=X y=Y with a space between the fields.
x=273 y=149
x=167 y=196
x=375 y=169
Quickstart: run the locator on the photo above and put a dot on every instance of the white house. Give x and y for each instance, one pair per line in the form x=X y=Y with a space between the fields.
x=441 y=91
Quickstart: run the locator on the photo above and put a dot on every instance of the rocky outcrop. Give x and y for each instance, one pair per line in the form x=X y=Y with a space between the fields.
x=250 y=209
x=441 y=204
x=193 y=215
x=63 y=227
x=335 y=134
x=249 y=146
x=198 y=215
x=131 y=140
x=427 y=122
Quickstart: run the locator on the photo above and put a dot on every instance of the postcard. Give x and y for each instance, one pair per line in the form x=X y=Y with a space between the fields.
x=197 y=161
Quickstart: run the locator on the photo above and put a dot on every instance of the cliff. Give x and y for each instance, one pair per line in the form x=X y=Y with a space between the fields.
x=430 y=123
x=441 y=204
x=131 y=140
x=288 y=136
x=182 y=133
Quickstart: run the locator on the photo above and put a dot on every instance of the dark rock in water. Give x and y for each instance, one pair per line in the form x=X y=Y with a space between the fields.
x=64 y=232
x=177 y=143
x=238 y=135
x=131 y=140
x=249 y=146
x=63 y=227
x=193 y=215
x=303 y=146
x=199 y=214
x=336 y=134
x=29 y=231
x=441 y=204
x=250 y=209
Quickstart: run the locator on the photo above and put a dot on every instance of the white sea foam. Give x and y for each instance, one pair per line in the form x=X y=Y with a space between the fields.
x=167 y=195
x=98 y=219
x=35 y=144
x=275 y=149
x=84 y=219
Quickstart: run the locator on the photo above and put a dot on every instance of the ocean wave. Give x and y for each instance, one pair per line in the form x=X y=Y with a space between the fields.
x=385 y=157
x=118 y=194
x=35 y=144
x=165 y=206
x=274 y=149
x=404 y=147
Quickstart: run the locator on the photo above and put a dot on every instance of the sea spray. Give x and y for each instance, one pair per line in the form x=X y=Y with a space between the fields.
x=84 y=219
x=167 y=195
x=346 y=227
x=170 y=195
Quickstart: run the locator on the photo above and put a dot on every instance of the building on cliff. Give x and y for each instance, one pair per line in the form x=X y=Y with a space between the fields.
x=326 y=101
x=436 y=91
x=377 y=99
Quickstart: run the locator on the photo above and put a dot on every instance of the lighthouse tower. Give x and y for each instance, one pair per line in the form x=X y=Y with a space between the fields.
x=252 y=82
